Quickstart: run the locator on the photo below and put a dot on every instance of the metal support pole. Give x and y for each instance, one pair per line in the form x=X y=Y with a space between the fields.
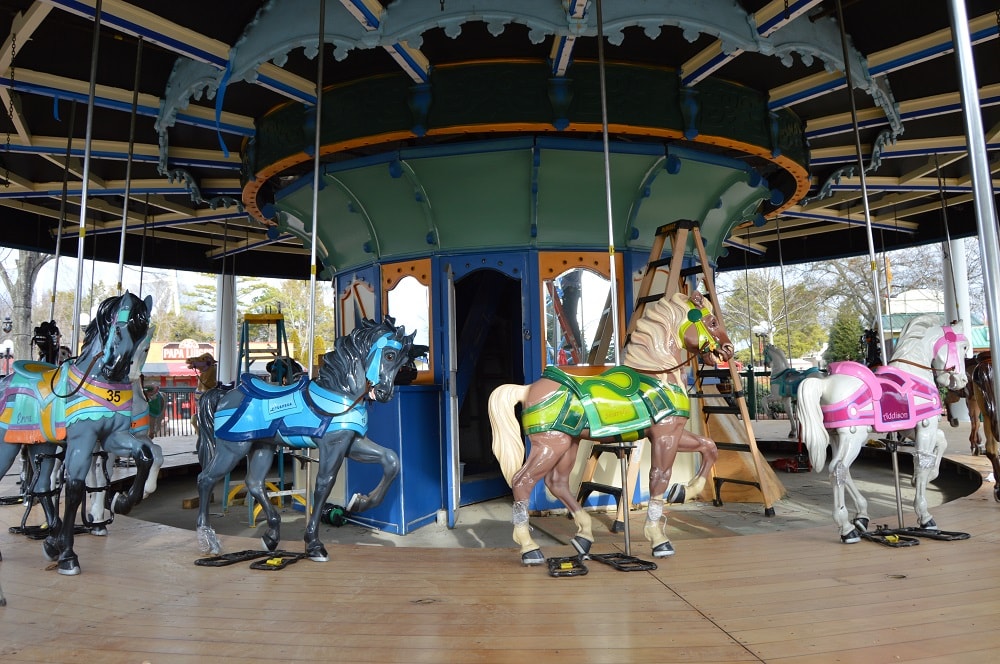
x=986 y=215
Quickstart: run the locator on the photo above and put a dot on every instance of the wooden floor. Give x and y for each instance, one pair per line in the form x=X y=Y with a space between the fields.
x=794 y=596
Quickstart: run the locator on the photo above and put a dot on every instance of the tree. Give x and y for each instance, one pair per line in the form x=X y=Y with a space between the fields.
x=790 y=311
x=845 y=337
x=20 y=285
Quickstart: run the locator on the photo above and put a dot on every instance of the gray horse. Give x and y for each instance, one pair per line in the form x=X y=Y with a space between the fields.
x=328 y=413
x=84 y=404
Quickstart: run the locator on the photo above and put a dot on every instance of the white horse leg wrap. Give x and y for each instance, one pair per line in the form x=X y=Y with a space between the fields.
x=652 y=529
x=520 y=513
x=838 y=474
x=583 y=525
x=925 y=460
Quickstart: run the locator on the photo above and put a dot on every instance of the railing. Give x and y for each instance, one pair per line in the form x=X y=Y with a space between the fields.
x=757 y=384
x=179 y=409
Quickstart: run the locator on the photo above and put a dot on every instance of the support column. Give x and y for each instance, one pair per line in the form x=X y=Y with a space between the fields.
x=225 y=325
x=956 y=303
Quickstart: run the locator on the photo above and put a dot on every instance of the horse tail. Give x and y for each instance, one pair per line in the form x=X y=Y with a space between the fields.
x=508 y=445
x=207 y=404
x=811 y=427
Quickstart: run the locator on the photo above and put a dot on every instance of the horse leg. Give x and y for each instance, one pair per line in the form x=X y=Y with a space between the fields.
x=227 y=455
x=846 y=447
x=547 y=449
x=793 y=419
x=365 y=450
x=692 y=442
x=975 y=445
x=97 y=477
x=259 y=462
x=80 y=446
x=929 y=447
x=123 y=443
x=666 y=438
x=557 y=482
x=333 y=447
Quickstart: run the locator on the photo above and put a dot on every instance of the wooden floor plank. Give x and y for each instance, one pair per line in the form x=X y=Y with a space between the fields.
x=786 y=597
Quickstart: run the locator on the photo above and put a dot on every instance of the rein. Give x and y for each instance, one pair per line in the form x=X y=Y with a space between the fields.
x=86 y=374
x=354 y=404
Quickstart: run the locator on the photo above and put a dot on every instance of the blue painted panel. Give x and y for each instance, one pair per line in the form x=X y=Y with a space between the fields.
x=409 y=425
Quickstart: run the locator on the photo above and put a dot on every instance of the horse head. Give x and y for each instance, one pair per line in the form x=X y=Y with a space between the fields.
x=948 y=357
x=702 y=334
x=389 y=352
x=366 y=360
x=115 y=334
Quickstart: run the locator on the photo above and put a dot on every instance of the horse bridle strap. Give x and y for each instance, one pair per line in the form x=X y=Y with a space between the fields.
x=951 y=338
x=354 y=404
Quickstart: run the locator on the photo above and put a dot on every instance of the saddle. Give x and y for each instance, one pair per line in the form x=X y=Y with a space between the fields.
x=788 y=380
x=258 y=388
x=621 y=400
x=889 y=400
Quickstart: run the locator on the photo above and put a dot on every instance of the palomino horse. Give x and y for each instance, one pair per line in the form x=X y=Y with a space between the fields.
x=328 y=413
x=645 y=398
x=84 y=403
x=785 y=383
x=900 y=397
x=971 y=403
x=982 y=380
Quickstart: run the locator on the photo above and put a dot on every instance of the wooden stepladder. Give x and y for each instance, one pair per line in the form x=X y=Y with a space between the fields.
x=680 y=234
x=733 y=401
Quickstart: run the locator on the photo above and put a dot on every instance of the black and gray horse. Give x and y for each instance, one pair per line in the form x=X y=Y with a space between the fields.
x=328 y=413
x=85 y=403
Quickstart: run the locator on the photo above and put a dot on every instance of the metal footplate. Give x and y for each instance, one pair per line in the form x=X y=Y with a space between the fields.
x=566 y=566
x=624 y=563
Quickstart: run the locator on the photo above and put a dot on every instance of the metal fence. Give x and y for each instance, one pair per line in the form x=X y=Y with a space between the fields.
x=179 y=409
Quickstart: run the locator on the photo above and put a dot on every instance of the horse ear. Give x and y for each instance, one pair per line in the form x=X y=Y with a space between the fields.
x=149 y=304
x=697 y=298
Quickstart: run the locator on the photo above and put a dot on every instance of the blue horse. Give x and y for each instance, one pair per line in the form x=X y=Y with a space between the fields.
x=328 y=413
x=785 y=384
x=83 y=404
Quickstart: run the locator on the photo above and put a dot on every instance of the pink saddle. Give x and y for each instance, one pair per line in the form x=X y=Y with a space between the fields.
x=887 y=400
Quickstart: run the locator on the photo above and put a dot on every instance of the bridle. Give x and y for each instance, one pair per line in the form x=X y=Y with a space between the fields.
x=951 y=339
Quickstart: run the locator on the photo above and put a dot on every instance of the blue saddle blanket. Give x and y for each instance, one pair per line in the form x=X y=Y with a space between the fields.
x=295 y=415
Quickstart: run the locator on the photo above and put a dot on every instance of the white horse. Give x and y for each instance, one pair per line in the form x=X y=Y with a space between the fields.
x=900 y=397
x=785 y=384
x=143 y=427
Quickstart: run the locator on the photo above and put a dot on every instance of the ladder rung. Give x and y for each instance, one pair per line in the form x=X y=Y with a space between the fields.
x=733 y=447
x=694 y=269
x=659 y=262
x=713 y=373
x=667 y=229
x=720 y=410
x=648 y=298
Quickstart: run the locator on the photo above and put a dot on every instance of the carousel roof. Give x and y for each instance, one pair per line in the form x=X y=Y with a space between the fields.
x=497 y=96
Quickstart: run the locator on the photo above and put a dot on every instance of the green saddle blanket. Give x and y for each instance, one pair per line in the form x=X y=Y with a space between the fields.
x=619 y=402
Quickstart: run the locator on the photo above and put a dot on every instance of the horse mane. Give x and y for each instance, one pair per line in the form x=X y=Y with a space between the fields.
x=911 y=337
x=655 y=334
x=343 y=368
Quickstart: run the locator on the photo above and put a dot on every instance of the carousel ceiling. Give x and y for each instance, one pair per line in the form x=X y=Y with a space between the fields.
x=181 y=91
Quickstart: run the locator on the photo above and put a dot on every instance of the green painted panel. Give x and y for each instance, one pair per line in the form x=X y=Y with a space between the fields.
x=481 y=200
x=572 y=203
x=637 y=96
x=489 y=93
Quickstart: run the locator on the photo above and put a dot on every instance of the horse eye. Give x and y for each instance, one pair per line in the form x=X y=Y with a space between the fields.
x=391 y=356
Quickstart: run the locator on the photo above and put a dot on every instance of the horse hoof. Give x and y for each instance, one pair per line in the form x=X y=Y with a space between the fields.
x=120 y=504
x=50 y=551
x=996 y=493
x=852 y=537
x=930 y=525
x=663 y=550
x=535 y=557
x=268 y=542
x=675 y=494
x=69 y=567
x=317 y=553
x=582 y=545
x=99 y=531
x=861 y=523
